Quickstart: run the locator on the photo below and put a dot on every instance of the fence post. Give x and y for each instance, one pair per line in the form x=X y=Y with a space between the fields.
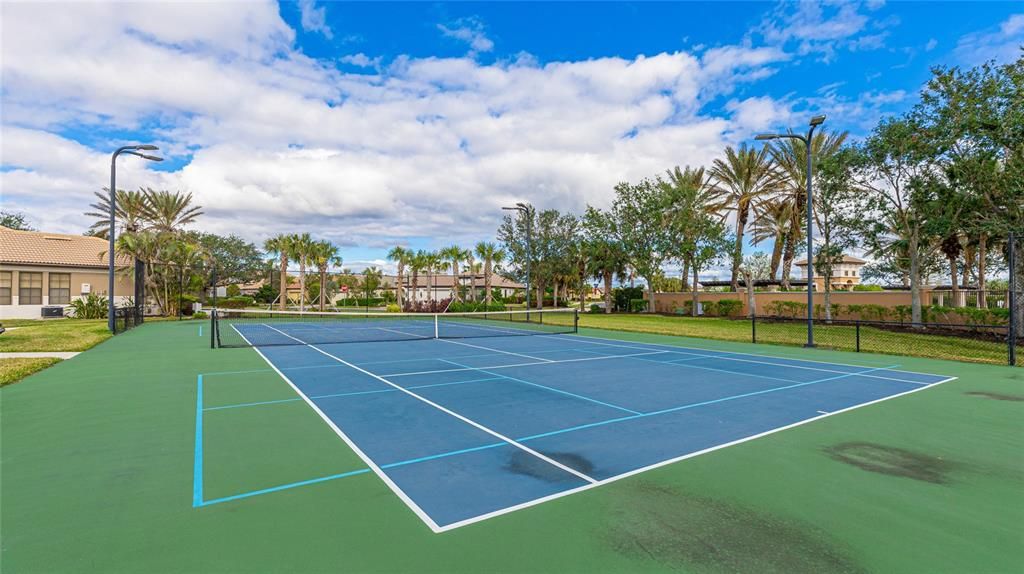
x=858 y=335
x=753 y=329
x=1012 y=303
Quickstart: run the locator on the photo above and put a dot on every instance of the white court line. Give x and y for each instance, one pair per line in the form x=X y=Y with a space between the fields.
x=547 y=362
x=351 y=444
x=687 y=351
x=611 y=479
x=498 y=350
x=466 y=420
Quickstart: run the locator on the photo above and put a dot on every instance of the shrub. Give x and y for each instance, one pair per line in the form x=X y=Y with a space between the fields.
x=265 y=294
x=393 y=308
x=234 y=290
x=595 y=308
x=787 y=308
x=361 y=302
x=621 y=296
x=728 y=307
x=868 y=288
x=240 y=302
x=92 y=306
x=200 y=315
x=470 y=307
x=637 y=305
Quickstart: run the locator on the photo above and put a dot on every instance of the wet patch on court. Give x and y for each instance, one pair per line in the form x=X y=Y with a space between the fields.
x=522 y=462
x=692 y=533
x=892 y=461
x=995 y=396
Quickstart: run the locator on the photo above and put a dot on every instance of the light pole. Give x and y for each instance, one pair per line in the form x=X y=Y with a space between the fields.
x=524 y=211
x=131 y=150
x=815 y=122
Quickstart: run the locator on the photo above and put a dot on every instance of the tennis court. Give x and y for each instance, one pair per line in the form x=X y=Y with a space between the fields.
x=486 y=421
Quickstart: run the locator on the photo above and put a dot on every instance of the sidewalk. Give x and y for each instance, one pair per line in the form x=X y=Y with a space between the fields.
x=59 y=355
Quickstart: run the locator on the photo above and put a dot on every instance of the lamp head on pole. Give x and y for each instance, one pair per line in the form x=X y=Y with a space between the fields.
x=818 y=120
x=147 y=147
x=765 y=137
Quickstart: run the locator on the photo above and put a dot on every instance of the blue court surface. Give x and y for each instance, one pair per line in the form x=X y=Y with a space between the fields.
x=464 y=430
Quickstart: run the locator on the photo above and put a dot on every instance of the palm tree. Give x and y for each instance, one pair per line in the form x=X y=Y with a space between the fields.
x=472 y=267
x=281 y=244
x=400 y=256
x=453 y=255
x=790 y=156
x=491 y=255
x=772 y=220
x=168 y=212
x=417 y=262
x=323 y=255
x=129 y=213
x=743 y=177
x=433 y=261
x=690 y=193
x=301 y=248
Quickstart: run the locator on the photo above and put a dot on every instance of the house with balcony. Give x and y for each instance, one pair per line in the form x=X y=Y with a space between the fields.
x=845 y=274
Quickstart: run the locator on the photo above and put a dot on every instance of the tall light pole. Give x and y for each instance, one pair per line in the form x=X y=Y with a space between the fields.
x=524 y=211
x=815 y=122
x=131 y=150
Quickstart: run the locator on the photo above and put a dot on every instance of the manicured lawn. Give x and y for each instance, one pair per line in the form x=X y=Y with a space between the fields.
x=13 y=370
x=873 y=340
x=98 y=453
x=52 y=335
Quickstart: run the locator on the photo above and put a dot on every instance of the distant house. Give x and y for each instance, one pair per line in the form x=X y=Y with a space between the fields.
x=439 y=286
x=845 y=274
x=39 y=269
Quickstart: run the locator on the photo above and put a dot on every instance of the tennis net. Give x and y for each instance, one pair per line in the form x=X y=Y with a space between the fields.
x=252 y=328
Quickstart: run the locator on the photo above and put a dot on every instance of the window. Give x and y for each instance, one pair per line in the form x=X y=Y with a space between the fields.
x=60 y=288
x=30 y=288
x=854 y=272
x=5 y=287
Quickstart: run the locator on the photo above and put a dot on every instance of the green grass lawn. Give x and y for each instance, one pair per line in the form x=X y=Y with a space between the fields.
x=873 y=340
x=52 y=335
x=97 y=475
x=13 y=370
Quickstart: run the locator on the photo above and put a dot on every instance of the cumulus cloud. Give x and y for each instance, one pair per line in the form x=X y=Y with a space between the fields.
x=314 y=19
x=270 y=140
x=826 y=27
x=468 y=30
x=1001 y=43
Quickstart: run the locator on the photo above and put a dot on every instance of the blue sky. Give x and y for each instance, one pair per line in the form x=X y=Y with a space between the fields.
x=374 y=124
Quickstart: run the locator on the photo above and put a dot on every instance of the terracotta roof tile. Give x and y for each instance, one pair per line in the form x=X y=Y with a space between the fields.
x=40 y=248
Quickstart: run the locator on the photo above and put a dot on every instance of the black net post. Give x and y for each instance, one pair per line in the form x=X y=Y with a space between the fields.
x=857 y=329
x=140 y=288
x=213 y=312
x=753 y=329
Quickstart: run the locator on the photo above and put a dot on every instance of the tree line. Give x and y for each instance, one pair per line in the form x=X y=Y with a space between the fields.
x=943 y=181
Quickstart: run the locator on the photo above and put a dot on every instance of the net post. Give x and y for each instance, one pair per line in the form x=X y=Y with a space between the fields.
x=213 y=330
x=753 y=329
x=437 y=334
x=575 y=321
x=858 y=335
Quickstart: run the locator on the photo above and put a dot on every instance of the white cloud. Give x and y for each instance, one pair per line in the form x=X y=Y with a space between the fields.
x=1002 y=44
x=823 y=28
x=273 y=141
x=361 y=60
x=314 y=19
x=932 y=43
x=468 y=30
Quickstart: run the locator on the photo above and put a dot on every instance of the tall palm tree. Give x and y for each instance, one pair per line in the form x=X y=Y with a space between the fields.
x=491 y=255
x=301 y=248
x=790 y=156
x=689 y=192
x=472 y=267
x=743 y=177
x=434 y=261
x=400 y=256
x=417 y=263
x=454 y=255
x=323 y=255
x=169 y=212
x=129 y=212
x=772 y=219
x=281 y=244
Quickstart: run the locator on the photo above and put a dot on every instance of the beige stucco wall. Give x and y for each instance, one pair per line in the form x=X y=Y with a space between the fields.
x=95 y=278
x=668 y=302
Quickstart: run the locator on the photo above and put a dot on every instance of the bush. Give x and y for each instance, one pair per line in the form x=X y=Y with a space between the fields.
x=637 y=305
x=240 y=302
x=426 y=306
x=200 y=315
x=470 y=307
x=393 y=308
x=728 y=307
x=92 y=306
x=265 y=294
x=595 y=308
x=868 y=288
x=786 y=308
x=361 y=302
x=234 y=290
x=621 y=296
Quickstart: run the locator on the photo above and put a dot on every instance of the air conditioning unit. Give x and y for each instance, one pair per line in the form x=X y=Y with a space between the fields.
x=50 y=312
